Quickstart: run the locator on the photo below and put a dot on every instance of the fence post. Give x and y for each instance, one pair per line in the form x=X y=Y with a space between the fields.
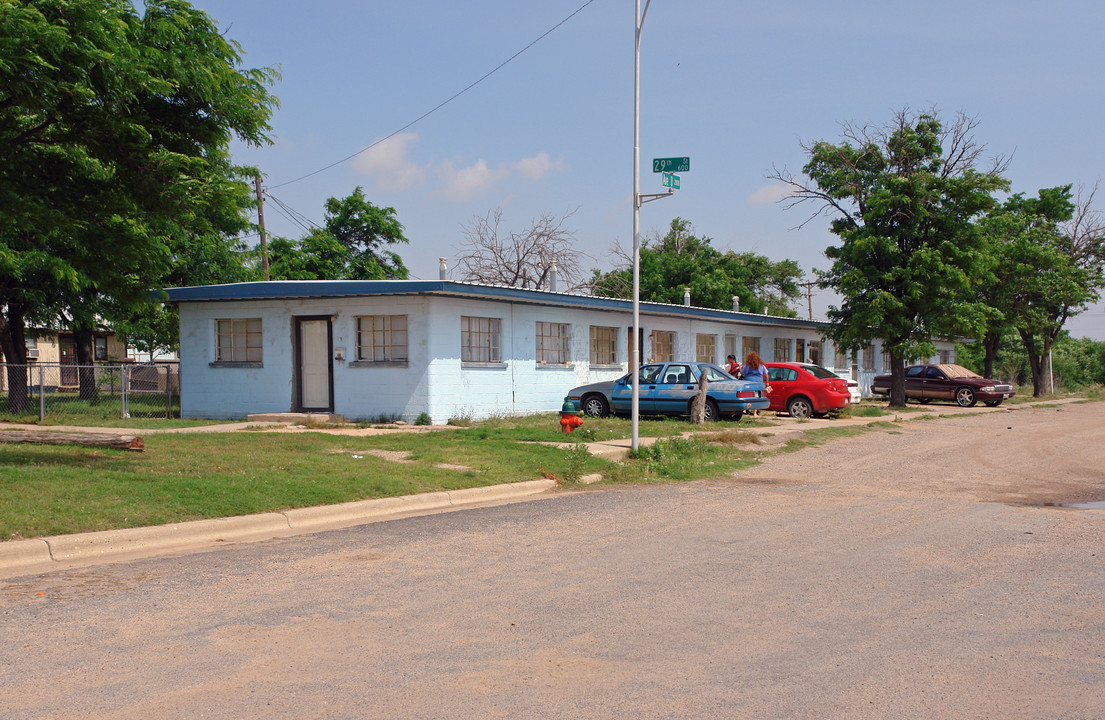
x=168 y=392
x=41 y=393
x=124 y=383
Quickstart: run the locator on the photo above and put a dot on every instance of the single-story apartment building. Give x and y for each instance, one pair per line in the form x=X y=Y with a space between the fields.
x=367 y=349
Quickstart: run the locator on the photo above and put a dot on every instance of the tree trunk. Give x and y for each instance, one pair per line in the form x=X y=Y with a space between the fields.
x=897 y=380
x=123 y=442
x=698 y=405
x=1034 y=363
x=13 y=342
x=86 y=371
x=991 y=341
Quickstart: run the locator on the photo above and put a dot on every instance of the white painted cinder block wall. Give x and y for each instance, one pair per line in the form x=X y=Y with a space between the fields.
x=434 y=381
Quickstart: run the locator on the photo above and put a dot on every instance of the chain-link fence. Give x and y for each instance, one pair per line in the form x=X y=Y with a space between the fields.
x=62 y=392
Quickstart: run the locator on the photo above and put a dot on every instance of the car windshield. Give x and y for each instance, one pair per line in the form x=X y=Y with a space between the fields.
x=957 y=371
x=819 y=372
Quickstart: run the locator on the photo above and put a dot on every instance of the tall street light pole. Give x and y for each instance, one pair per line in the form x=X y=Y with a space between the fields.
x=634 y=344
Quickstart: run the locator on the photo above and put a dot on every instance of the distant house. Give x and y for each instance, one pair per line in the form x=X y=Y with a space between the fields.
x=51 y=347
x=395 y=348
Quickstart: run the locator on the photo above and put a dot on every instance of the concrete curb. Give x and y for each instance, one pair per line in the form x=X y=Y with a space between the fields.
x=42 y=554
x=82 y=547
x=19 y=554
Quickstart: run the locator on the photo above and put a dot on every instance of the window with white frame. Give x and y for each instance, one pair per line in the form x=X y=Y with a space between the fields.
x=813 y=349
x=552 y=343
x=782 y=350
x=868 y=359
x=604 y=345
x=749 y=344
x=663 y=346
x=885 y=361
x=945 y=357
x=730 y=345
x=480 y=339
x=705 y=347
x=238 y=340
x=382 y=338
x=99 y=348
x=840 y=360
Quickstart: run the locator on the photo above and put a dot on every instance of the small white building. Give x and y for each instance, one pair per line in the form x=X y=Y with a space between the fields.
x=367 y=349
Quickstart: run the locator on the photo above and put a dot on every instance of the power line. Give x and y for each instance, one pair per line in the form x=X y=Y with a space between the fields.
x=443 y=104
x=290 y=213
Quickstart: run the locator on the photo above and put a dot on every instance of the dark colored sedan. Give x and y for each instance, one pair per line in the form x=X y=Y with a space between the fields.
x=668 y=389
x=925 y=383
x=802 y=389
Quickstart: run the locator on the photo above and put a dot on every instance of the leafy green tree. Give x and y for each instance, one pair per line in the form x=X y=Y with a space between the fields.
x=1078 y=363
x=351 y=245
x=207 y=250
x=112 y=125
x=905 y=196
x=1024 y=265
x=681 y=260
x=1069 y=275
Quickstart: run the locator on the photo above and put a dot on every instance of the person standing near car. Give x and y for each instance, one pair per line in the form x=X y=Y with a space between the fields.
x=755 y=371
x=731 y=365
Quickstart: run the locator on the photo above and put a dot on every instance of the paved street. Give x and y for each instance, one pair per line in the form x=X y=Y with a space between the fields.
x=915 y=572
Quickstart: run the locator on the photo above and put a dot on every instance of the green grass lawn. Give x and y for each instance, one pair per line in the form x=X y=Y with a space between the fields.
x=51 y=490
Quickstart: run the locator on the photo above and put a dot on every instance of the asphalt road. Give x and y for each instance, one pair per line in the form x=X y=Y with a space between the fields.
x=910 y=573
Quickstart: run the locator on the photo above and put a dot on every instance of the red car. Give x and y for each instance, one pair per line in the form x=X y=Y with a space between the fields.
x=802 y=390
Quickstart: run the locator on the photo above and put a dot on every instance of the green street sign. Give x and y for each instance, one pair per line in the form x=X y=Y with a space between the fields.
x=670 y=180
x=682 y=164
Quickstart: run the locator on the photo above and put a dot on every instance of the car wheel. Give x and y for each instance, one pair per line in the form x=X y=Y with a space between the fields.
x=965 y=397
x=992 y=403
x=925 y=401
x=595 y=406
x=710 y=412
x=799 y=407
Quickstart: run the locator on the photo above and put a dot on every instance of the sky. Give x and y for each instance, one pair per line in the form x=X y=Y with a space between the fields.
x=737 y=87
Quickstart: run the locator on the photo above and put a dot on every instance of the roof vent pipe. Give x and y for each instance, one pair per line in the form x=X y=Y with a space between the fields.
x=442 y=269
x=687 y=297
x=552 y=277
x=736 y=304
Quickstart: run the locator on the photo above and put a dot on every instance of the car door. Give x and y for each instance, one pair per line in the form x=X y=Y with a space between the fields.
x=936 y=384
x=782 y=381
x=915 y=382
x=622 y=395
x=674 y=389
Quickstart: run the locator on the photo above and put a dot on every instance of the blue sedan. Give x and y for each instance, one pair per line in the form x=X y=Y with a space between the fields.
x=669 y=389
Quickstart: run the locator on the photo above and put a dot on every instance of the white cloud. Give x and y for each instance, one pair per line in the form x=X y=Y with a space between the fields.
x=389 y=164
x=769 y=194
x=460 y=184
x=538 y=166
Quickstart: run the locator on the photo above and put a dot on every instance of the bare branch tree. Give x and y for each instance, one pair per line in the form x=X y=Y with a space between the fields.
x=1085 y=232
x=961 y=153
x=519 y=259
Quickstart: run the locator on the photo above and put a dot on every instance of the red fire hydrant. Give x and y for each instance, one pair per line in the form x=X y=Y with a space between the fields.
x=569 y=417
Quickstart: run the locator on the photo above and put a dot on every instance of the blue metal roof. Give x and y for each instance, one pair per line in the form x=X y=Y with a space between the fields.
x=320 y=289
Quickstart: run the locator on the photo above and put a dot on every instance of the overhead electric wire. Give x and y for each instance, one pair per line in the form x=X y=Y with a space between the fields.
x=290 y=213
x=440 y=105
x=288 y=208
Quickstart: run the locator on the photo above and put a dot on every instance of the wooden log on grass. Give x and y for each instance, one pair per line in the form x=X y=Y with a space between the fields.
x=122 y=442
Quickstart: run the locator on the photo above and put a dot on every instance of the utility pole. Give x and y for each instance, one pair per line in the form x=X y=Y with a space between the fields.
x=809 y=295
x=261 y=225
